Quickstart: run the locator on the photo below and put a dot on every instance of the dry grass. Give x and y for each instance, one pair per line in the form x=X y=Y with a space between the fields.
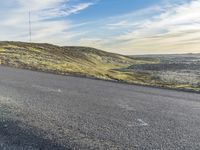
x=68 y=60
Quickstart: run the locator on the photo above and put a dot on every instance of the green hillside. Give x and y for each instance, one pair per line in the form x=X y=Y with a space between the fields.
x=83 y=61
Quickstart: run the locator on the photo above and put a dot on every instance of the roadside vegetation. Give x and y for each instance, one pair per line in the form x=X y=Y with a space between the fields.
x=90 y=62
x=173 y=71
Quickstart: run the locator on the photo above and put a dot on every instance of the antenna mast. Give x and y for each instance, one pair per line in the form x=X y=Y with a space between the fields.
x=30 y=32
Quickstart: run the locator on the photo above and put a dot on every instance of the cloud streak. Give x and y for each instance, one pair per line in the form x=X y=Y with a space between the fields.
x=171 y=28
x=171 y=31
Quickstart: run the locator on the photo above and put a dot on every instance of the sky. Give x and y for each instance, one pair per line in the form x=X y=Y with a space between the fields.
x=129 y=27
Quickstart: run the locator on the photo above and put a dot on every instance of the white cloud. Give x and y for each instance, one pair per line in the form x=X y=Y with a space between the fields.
x=46 y=27
x=173 y=28
x=77 y=8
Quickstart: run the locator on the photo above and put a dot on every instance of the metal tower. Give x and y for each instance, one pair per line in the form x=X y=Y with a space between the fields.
x=30 y=30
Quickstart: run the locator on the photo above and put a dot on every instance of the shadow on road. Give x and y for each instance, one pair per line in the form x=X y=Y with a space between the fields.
x=15 y=135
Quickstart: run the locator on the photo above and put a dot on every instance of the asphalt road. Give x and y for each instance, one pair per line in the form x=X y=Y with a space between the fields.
x=40 y=111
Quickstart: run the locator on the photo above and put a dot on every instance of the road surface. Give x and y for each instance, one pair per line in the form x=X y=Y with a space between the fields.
x=40 y=111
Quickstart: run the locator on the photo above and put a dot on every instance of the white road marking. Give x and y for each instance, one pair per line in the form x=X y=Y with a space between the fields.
x=7 y=101
x=142 y=123
x=139 y=123
x=47 y=89
x=126 y=106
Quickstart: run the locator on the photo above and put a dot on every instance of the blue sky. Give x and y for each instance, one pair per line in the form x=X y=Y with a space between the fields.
x=107 y=8
x=120 y=26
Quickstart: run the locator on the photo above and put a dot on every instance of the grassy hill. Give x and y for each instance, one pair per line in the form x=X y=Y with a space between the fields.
x=83 y=61
x=163 y=71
